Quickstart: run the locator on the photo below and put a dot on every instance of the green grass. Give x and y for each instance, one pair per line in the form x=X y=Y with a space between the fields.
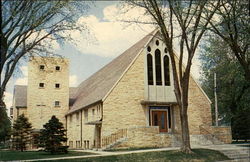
x=199 y=155
x=17 y=155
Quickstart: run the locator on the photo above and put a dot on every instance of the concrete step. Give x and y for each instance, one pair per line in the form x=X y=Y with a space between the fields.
x=119 y=141
x=237 y=153
x=236 y=160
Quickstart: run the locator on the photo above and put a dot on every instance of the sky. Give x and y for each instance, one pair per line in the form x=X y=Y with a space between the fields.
x=109 y=37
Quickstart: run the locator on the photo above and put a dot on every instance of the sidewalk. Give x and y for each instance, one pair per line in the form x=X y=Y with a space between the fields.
x=221 y=148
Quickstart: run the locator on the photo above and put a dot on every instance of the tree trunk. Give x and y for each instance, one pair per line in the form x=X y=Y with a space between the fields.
x=185 y=147
x=184 y=84
x=2 y=109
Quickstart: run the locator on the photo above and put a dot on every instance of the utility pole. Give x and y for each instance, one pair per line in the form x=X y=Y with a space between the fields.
x=215 y=99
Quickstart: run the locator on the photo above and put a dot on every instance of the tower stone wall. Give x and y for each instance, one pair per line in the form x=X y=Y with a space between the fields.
x=48 y=90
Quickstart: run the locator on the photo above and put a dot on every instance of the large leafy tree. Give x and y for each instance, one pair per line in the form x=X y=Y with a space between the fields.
x=53 y=135
x=232 y=25
x=27 y=27
x=21 y=133
x=191 y=18
x=232 y=88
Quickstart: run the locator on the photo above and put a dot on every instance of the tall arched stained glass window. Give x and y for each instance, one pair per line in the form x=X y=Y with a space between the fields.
x=150 y=69
x=166 y=71
x=158 y=67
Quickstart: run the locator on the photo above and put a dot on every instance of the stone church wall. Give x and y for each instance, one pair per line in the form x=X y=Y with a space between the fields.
x=122 y=108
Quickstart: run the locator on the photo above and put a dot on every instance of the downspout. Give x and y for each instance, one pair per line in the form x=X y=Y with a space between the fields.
x=66 y=128
x=81 y=128
x=101 y=125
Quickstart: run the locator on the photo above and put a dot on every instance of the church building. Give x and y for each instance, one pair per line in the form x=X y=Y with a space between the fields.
x=130 y=102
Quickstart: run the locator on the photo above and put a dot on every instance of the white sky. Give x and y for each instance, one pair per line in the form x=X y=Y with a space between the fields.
x=90 y=52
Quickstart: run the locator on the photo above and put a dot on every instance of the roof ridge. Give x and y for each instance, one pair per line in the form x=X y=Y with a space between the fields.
x=117 y=57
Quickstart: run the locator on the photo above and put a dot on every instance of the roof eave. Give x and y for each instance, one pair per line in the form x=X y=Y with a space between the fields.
x=85 y=107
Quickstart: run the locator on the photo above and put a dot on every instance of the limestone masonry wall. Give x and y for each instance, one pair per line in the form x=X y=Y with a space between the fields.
x=223 y=133
x=145 y=137
x=84 y=139
x=74 y=129
x=41 y=100
x=122 y=108
x=199 y=109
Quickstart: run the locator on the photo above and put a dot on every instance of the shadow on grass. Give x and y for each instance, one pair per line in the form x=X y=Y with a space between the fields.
x=204 y=155
x=26 y=155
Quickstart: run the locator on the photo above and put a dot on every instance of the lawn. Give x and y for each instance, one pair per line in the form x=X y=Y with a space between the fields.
x=17 y=155
x=200 y=155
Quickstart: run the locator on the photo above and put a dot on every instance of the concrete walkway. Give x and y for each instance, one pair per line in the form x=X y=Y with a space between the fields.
x=221 y=148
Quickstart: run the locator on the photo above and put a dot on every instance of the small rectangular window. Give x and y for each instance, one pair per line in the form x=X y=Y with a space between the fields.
x=93 y=111
x=71 y=144
x=58 y=68
x=70 y=118
x=41 y=67
x=77 y=116
x=57 y=103
x=57 y=85
x=86 y=115
x=41 y=85
x=85 y=144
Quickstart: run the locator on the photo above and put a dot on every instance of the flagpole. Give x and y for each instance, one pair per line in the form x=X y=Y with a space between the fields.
x=215 y=101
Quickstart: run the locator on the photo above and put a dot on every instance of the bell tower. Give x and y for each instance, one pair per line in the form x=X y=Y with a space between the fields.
x=48 y=90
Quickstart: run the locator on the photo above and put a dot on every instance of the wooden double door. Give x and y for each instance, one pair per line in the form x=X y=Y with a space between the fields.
x=159 y=118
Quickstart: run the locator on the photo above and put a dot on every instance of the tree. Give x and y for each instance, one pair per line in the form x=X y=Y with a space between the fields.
x=53 y=135
x=188 y=17
x=5 y=126
x=27 y=27
x=232 y=88
x=233 y=26
x=21 y=133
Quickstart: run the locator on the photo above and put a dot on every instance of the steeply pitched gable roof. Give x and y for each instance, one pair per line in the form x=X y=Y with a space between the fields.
x=96 y=87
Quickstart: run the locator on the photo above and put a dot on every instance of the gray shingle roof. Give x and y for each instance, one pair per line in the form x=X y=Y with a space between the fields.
x=96 y=87
x=20 y=94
